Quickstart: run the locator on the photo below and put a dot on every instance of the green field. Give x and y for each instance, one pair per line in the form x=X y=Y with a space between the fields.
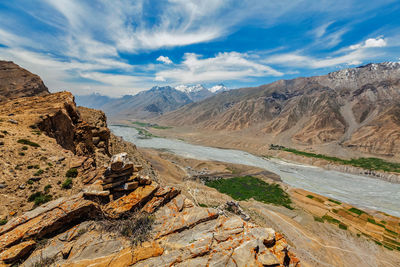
x=246 y=187
x=150 y=125
x=375 y=164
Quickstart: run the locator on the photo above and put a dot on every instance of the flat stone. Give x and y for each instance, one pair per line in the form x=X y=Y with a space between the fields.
x=45 y=219
x=18 y=251
x=131 y=201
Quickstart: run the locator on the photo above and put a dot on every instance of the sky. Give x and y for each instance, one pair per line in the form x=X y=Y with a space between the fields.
x=122 y=47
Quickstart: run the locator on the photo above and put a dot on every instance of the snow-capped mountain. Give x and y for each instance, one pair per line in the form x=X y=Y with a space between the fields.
x=218 y=88
x=150 y=103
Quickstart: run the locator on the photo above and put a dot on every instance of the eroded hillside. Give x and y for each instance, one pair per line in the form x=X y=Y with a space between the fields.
x=355 y=109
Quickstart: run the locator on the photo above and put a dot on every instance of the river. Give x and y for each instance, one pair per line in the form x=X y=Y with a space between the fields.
x=357 y=190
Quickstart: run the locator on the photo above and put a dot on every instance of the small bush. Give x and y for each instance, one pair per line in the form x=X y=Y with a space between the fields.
x=134 y=226
x=33 y=167
x=29 y=181
x=39 y=198
x=342 y=226
x=47 y=188
x=67 y=184
x=3 y=221
x=203 y=205
x=39 y=172
x=310 y=196
x=4 y=132
x=50 y=164
x=27 y=142
x=72 y=173
x=24 y=148
x=21 y=153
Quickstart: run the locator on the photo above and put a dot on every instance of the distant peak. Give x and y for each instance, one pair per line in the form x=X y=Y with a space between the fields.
x=218 y=88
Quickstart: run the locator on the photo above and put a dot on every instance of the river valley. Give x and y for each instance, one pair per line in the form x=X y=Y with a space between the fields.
x=357 y=190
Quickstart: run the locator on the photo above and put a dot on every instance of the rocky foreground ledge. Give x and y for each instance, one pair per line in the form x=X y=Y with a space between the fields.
x=136 y=222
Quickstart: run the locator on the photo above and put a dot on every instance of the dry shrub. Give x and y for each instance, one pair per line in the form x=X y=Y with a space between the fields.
x=135 y=226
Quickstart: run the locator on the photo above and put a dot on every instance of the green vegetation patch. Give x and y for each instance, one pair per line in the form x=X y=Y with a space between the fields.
x=39 y=198
x=365 y=163
x=144 y=134
x=3 y=221
x=47 y=188
x=150 y=125
x=371 y=220
x=141 y=124
x=72 y=173
x=246 y=187
x=67 y=184
x=335 y=201
x=310 y=196
x=356 y=211
x=27 y=142
x=318 y=219
x=39 y=172
x=342 y=226
x=392 y=232
x=330 y=219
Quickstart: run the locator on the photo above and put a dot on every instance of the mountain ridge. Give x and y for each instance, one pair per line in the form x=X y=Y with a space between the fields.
x=150 y=103
x=308 y=111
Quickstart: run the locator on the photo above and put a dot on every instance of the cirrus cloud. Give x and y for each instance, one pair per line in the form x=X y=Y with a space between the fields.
x=224 y=66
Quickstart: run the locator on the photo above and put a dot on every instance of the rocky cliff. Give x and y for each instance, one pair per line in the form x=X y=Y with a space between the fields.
x=17 y=82
x=150 y=225
x=66 y=201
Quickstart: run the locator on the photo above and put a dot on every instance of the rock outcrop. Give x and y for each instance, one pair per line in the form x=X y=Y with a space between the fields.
x=17 y=82
x=44 y=137
x=71 y=232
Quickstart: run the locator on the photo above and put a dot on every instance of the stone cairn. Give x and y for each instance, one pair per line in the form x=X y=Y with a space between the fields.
x=121 y=175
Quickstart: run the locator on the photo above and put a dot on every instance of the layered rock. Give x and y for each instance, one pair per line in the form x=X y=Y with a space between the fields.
x=17 y=82
x=44 y=137
x=180 y=234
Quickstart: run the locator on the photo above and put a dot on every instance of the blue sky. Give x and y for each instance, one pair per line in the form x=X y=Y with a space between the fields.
x=122 y=47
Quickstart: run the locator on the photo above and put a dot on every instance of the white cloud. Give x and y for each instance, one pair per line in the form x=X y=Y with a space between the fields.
x=80 y=40
x=224 y=66
x=164 y=59
x=354 y=55
x=372 y=42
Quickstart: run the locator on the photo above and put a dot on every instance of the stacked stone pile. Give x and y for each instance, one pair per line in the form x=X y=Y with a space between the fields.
x=121 y=175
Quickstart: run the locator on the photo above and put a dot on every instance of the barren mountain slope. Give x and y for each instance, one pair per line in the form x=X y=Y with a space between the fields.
x=18 y=82
x=147 y=104
x=310 y=111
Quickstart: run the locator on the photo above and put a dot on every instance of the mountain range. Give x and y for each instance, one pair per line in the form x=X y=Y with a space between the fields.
x=357 y=108
x=151 y=103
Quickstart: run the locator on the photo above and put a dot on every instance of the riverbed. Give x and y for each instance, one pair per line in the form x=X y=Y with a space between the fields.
x=357 y=190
